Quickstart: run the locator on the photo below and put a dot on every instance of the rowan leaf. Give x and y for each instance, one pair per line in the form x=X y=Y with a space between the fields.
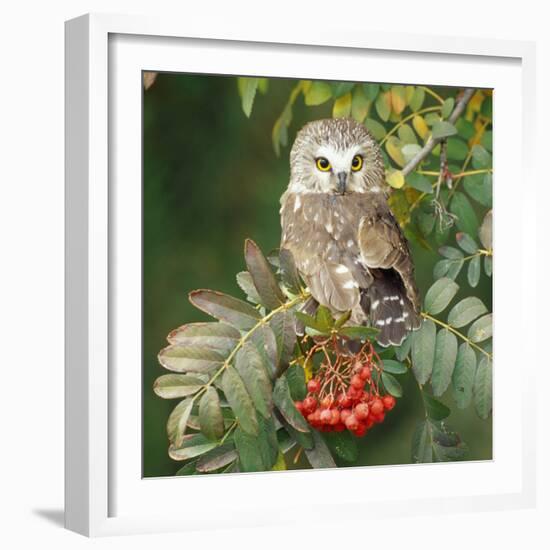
x=342 y=444
x=393 y=367
x=392 y=385
x=445 y=357
x=247 y=88
x=486 y=231
x=283 y=325
x=466 y=243
x=170 y=386
x=342 y=106
x=481 y=329
x=183 y=358
x=240 y=401
x=246 y=284
x=474 y=270
x=463 y=375
x=289 y=272
x=439 y=295
x=210 y=414
x=177 y=421
x=483 y=388
x=423 y=351
x=217 y=458
x=285 y=404
x=319 y=455
x=466 y=311
x=434 y=408
x=217 y=336
x=191 y=446
x=318 y=93
x=466 y=218
x=443 y=129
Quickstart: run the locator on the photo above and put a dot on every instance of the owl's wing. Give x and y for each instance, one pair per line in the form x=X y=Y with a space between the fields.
x=394 y=302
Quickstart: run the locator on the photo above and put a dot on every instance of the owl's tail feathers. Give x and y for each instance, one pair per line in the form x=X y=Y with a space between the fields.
x=389 y=308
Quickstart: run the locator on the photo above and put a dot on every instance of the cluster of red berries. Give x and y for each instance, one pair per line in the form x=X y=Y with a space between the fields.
x=356 y=408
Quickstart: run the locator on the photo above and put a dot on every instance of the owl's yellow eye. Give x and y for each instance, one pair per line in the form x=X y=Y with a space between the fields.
x=323 y=164
x=357 y=163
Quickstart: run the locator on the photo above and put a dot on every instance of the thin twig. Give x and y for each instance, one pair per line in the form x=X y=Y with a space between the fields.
x=432 y=143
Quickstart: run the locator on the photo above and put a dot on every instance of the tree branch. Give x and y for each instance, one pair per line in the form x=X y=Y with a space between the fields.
x=432 y=143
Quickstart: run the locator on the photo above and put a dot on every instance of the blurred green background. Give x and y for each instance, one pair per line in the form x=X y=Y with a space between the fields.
x=210 y=180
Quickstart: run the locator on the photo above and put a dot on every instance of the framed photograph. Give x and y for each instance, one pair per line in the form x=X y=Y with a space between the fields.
x=289 y=263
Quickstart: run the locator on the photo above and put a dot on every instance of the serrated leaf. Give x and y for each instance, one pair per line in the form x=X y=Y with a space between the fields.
x=247 y=89
x=443 y=129
x=264 y=341
x=342 y=106
x=217 y=458
x=434 y=408
x=289 y=272
x=392 y=385
x=393 y=367
x=296 y=382
x=466 y=243
x=466 y=219
x=246 y=284
x=210 y=414
x=445 y=357
x=248 y=364
x=423 y=351
x=285 y=404
x=177 y=422
x=439 y=295
x=182 y=358
x=481 y=329
x=240 y=401
x=250 y=457
x=375 y=128
x=483 y=388
x=319 y=455
x=268 y=289
x=318 y=93
x=486 y=231
x=463 y=375
x=283 y=325
x=342 y=444
x=170 y=386
x=466 y=311
x=474 y=270
x=358 y=332
x=217 y=336
x=447 y=107
x=225 y=308
x=191 y=446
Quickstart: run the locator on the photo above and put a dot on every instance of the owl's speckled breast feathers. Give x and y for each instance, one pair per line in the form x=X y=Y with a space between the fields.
x=336 y=222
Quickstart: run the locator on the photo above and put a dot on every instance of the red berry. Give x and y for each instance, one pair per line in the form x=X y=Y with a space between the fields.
x=326 y=402
x=340 y=427
x=313 y=386
x=357 y=382
x=354 y=394
x=299 y=405
x=345 y=414
x=352 y=423
x=365 y=373
x=361 y=430
x=326 y=416
x=377 y=406
x=379 y=418
x=343 y=401
x=335 y=417
x=309 y=404
x=362 y=411
x=389 y=402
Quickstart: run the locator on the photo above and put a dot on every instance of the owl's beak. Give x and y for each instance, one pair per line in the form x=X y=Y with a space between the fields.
x=342 y=181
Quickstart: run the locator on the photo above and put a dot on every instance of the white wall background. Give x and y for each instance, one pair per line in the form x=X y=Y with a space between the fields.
x=31 y=269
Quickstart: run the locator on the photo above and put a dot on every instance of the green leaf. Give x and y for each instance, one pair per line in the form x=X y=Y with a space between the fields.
x=488 y=265
x=402 y=351
x=190 y=447
x=445 y=356
x=375 y=128
x=456 y=149
x=280 y=464
x=483 y=388
x=188 y=470
x=419 y=182
x=371 y=91
x=318 y=93
x=434 y=408
x=465 y=128
x=393 y=367
x=236 y=394
x=217 y=336
x=410 y=150
x=417 y=99
x=225 y=308
x=296 y=379
x=342 y=106
x=443 y=129
x=283 y=325
x=210 y=414
x=217 y=458
x=303 y=439
x=481 y=159
x=406 y=135
x=451 y=253
x=481 y=329
x=289 y=272
x=423 y=351
x=342 y=444
x=170 y=386
x=319 y=455
x=247 y=89
x=486 y=231
x=383 y=107
x=466 y=219
x=359 y=105
x=466 y=243
x=248 y=364
x=250 y=457
x=474 y=269
x=433 y=442
x=267 y=442
x=480 y=188
x=358 y=333
x=310 y=322
x=246 y=284
x=392 y=385
x=264 y=280
x=285 y=404
x=177 y=421
x=340 y=89
x=466 y=311
x=264 y=341
x=463 y=375
x=439 y=295
x=447 y=107
x=441 y=268
x=182 y=358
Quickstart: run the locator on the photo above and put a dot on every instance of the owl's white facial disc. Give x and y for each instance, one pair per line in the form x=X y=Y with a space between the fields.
x=326 y=155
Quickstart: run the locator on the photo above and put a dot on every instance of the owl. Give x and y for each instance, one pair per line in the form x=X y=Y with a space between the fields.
x=337 y=224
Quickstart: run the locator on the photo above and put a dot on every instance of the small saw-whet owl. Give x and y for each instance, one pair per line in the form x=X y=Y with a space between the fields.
x=337 y=224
